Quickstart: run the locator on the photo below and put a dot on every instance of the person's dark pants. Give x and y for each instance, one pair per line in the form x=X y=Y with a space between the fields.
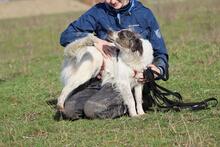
x=95 y=101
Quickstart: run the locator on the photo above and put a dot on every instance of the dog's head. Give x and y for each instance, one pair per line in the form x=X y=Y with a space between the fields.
x=126 y=40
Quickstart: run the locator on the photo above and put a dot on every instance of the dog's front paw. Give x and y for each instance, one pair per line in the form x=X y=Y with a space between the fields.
x=133 y=114
x=140 y=112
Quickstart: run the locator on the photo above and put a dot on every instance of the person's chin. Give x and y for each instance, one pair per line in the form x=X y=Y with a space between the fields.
x=116 y=7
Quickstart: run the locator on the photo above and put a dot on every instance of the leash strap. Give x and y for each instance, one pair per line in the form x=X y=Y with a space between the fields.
x=161 y=96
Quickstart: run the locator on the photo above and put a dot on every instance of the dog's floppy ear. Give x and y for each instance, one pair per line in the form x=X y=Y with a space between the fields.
x=137 y=46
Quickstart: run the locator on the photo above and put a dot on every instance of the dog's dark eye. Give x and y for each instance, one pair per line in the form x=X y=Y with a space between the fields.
x=121 y=35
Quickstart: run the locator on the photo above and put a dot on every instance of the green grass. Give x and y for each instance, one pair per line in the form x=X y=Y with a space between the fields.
x=30 y=60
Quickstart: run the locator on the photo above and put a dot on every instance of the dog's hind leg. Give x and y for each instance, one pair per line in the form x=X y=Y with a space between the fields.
x=85 y=71
x=138 y=98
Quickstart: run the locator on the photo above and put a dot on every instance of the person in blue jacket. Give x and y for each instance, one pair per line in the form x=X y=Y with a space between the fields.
x=92 y=100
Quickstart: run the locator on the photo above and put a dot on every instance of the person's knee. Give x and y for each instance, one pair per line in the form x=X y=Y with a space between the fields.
x=94 y=110
x=70 y=111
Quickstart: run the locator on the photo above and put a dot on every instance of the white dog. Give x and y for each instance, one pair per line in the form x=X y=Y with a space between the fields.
x=83 y=61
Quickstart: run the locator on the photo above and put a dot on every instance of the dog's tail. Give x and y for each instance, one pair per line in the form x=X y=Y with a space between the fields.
x=76 y=48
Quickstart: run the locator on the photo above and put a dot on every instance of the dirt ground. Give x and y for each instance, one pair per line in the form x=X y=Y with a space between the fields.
x=25 y=8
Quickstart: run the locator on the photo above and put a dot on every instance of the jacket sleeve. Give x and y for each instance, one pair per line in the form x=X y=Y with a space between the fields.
x=160 y=50
x=79 y=28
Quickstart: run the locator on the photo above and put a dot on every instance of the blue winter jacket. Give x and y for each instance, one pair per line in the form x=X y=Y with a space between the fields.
x=101 y=18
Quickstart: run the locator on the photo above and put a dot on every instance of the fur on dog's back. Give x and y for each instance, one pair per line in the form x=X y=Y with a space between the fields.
x=76 y=49
x=77 y=53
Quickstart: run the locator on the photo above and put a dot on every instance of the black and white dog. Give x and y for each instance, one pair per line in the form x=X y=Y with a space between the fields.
x=83 y=61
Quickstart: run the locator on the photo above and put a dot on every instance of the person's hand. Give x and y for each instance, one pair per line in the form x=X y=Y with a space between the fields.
x=104 y=47
x=140 y=77
x=154 y=68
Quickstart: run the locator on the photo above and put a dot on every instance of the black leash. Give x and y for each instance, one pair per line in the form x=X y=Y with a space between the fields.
x=160 y=96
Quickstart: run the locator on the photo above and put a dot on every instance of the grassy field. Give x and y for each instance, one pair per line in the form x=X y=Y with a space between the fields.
x=30 y=60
